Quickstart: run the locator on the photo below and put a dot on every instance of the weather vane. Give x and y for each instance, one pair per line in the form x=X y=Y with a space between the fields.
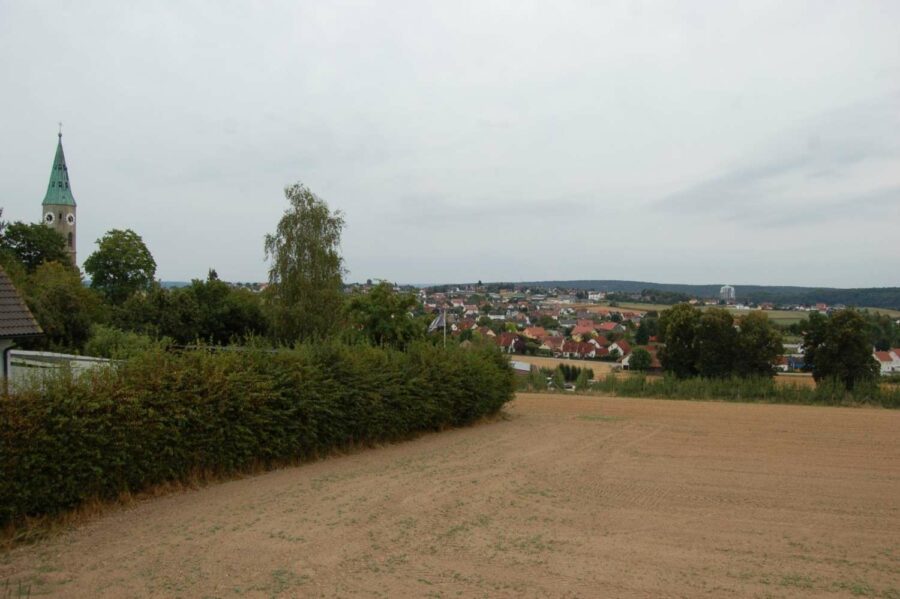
x=60 y=128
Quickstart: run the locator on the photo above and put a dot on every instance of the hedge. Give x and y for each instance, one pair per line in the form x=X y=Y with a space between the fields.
x=163 y=417
x=746 y=389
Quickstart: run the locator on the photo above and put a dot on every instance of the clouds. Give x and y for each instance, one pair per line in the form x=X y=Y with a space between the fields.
x=469 y=140
x=836 y=167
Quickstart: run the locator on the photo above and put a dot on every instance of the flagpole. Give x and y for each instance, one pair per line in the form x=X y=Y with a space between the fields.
x=445 y=328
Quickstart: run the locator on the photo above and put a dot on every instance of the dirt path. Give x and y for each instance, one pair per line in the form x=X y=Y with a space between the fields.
x=568 y=497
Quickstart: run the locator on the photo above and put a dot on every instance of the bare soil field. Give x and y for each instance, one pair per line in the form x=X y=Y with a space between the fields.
x=567 y=496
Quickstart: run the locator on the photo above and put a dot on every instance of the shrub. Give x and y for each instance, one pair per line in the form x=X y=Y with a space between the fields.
x=163 y=417
x=759 y=388
x=110 y=342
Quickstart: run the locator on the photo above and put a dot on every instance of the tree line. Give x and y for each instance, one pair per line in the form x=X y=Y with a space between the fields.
x=714 y=344
x=125 y=309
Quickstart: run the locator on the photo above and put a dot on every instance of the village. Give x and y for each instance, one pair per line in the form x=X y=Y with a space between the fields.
x=591 y=324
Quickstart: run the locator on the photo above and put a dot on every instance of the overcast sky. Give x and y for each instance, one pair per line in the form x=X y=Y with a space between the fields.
x=673 y=142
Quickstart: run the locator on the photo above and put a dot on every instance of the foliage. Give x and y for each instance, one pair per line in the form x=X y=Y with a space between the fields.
x=715 y=343
x=211 y=311
x=649 y=327
x=121 y=266
x=160 y=312
x=707 y=344
x=306 y=268
x=640 y=360
x=759 y=344
x=110 y=342
x=746 y=389
x=537 y=379
x=224 y=313
x=677 y=329
x=839 y=347
x=164 y=417
x=62 y=305
x=384 y=317
x=571 y=373
x=582 y=381
x=883 y=331
x=558 y=379
x=34 y=244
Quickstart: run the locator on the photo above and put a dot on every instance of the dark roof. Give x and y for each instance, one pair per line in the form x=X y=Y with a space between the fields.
x=15 y=317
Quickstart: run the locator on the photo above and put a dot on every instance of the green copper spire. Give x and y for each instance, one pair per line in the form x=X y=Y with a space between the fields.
x=58 y=191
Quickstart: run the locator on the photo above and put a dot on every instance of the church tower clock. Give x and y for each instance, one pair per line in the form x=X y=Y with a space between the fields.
x=58 y=208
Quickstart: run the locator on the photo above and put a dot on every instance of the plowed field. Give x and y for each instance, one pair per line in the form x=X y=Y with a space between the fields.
x=565 y=497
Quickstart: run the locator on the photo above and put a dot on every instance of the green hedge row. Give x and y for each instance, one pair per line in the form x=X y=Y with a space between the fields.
x=165 y=416
x=749 y=389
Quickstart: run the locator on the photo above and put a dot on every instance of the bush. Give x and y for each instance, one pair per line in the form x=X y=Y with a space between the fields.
x=163 y=417
x=760 y=388
x=110 y=342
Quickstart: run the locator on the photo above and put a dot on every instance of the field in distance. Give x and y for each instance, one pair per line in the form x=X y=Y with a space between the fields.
x=568 y=496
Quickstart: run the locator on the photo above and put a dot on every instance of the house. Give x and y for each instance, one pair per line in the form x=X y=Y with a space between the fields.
x=888 y=361
x=535 y=332
x=510 y=343
x=581 y=331
x=610 y=327
x=16 y=320
x=486 y=332
x=552 y=343
x=655 y=364
x=620 y=346
x=600 y=341
x=570 y=349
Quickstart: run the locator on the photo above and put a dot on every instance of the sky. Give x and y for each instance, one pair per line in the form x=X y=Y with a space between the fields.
x=678 y=142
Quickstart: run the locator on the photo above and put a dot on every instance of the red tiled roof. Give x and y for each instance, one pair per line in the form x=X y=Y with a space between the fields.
x=583 y=329
x=626 y=349
x=883 y=356
x=506 y=339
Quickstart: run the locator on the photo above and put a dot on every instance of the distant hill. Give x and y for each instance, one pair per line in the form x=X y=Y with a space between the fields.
x=873 y=297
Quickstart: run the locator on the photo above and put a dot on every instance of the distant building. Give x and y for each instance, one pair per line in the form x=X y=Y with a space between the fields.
x=726 y=294
x=58 y=207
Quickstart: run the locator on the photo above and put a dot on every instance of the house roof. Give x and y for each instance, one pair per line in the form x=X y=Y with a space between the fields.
x=16 y=319
x=883 y=356
x=623 y=345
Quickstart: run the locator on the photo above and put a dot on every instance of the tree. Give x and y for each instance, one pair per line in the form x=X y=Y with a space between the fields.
x=583 y=380
x=33 y=244
x=159 y=313
x=759 y=345
x=306 y=268
x=839 y=347
x=121 y=266
x=640 y=360
x=677 y=329
x=223 y=313
x=384 y=317
x=649 y=327
x=559 y=379
x=715 y=343
x=62 y=305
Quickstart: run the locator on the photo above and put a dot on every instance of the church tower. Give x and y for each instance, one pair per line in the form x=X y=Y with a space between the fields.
x=59 y=204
